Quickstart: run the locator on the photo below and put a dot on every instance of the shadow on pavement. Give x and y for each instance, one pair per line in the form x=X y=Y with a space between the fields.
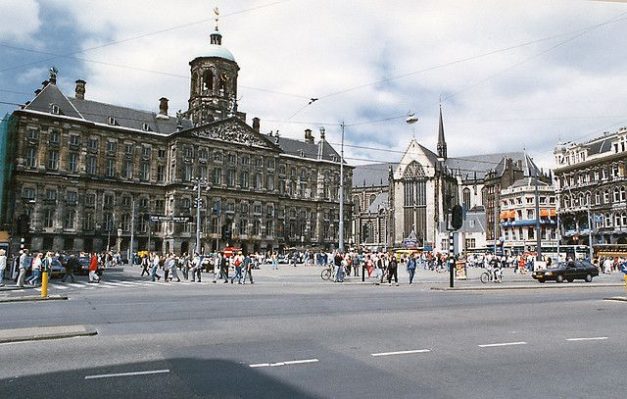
x=187 y=378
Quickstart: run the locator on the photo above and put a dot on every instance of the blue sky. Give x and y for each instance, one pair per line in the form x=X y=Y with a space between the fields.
x=509 y=74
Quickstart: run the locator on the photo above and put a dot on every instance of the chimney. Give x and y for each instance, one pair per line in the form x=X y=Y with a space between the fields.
x=79 y=91
x=276 y=140
x=308 y=136
x=321 y=134
x=256 y=124
x=321 y=144
x=163 y=107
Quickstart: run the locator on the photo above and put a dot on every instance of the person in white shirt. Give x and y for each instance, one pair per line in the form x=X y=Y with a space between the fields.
x=3 y=266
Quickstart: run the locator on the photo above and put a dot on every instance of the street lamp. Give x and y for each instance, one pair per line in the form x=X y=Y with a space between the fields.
x=199 y=184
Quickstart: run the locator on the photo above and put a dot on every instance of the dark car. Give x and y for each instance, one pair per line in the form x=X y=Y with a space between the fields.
x=569 y=271
x=56 y=268
x=84 y=261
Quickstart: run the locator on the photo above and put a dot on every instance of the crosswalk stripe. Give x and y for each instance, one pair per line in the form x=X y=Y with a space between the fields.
x=59 y=287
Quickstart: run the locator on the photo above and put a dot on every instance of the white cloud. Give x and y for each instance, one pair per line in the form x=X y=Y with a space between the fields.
x=19 y=20
x=501 y=102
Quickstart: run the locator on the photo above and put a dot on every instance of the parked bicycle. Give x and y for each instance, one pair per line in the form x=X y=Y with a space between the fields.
x=494 y=274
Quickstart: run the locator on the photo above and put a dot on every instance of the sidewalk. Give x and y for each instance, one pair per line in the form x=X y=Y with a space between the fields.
x=41 y=333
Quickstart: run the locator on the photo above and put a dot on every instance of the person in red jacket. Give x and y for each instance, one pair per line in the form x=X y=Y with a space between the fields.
x=93 y=268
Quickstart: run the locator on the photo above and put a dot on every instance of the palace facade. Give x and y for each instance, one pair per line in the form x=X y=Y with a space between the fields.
x=86 y=175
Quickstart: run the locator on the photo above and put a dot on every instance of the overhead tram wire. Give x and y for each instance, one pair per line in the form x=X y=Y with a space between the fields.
x=537 y=55
x=172 y=28
x=462 y=60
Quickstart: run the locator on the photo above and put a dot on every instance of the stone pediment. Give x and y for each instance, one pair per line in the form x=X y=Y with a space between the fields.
x=232 y=131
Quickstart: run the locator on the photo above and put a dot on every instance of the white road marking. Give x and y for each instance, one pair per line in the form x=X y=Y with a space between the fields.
x=401 y=352
x=59 y=287
x=587 y=339
x=76 y=285
x=502 y=344
x=130 y=374
x=286 y=363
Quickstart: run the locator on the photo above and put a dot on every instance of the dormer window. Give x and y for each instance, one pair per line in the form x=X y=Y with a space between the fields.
x=54 y=109
x=112 y=121
x=146 y=127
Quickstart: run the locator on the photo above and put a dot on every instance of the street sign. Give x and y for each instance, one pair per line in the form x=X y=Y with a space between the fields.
x=175 y=219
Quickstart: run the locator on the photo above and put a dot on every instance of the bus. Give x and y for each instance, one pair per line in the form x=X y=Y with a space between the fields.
x=610 y=250
x=576 y=251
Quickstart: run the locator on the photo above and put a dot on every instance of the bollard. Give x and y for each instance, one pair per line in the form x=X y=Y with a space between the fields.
x=44 y=284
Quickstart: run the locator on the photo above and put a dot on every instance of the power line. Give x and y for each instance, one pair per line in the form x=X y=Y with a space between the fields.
x=582 y=33
x=146 y=35
x=462 y=60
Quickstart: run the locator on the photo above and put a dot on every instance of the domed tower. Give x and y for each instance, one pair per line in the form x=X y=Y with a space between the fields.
x=213 y=89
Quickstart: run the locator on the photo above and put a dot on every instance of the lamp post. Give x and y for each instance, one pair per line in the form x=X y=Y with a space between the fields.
x=341 y=225
x=199 y=183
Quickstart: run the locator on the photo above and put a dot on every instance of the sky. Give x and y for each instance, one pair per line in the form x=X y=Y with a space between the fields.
x=508 y=75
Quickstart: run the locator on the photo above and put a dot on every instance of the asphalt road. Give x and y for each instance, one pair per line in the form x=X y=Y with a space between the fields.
x=321 y=340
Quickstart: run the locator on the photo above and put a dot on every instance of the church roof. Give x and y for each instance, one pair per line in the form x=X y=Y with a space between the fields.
x=528 y=182
x=374 y=174
x=305 y=149
x=479 y=165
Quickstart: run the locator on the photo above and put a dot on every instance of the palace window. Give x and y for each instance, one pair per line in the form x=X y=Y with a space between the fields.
x=48 y=217
x=91 y=165
x=31 y=157
x=54 y=136
x=110 y=171
x=145 y=171
x=53 y=160
x=72 y=162
x=68 y=220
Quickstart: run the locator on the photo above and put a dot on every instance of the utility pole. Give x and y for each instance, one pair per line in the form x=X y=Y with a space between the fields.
x=341 y=226
x=132 y=230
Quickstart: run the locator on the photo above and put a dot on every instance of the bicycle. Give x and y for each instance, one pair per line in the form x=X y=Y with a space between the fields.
x=327 y=273
x=495 y=275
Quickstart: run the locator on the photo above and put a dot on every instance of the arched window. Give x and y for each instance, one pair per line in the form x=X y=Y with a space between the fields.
x=466 y=198
x=616 y=194
x=207 y=80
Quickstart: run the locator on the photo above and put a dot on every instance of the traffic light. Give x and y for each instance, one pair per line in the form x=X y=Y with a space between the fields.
x=458 y=217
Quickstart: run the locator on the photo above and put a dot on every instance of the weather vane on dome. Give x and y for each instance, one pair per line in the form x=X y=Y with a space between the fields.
x=216 y=12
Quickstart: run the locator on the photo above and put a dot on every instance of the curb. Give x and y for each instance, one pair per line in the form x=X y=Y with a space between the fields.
x=15 y=288
x=45 y=333
x=526 y=287
x=616 y=298
x=33 y=298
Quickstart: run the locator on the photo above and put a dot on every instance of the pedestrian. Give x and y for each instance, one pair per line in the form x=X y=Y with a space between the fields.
x=196 y=267
x=224 y=268
x=93 y=268
x=24 y=262
x=70 y=265
x=3 y=266
x=36 y=270
x=393 y=270
x=249 y=265
x=623 y=268
x=173 y=266
x=237 y=262
x=155 y=266
x=411 y=268
x=216 y=266
x=275 y=262
x=145 y=262
x=183 y=265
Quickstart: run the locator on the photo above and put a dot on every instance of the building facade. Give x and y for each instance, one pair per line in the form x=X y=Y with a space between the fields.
x=591 y=186
x=90 y=176
x=415 y=198
x=518 y=215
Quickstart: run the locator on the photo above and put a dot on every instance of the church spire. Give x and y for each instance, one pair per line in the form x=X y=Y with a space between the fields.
x=441 y=140
x=216 y=36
